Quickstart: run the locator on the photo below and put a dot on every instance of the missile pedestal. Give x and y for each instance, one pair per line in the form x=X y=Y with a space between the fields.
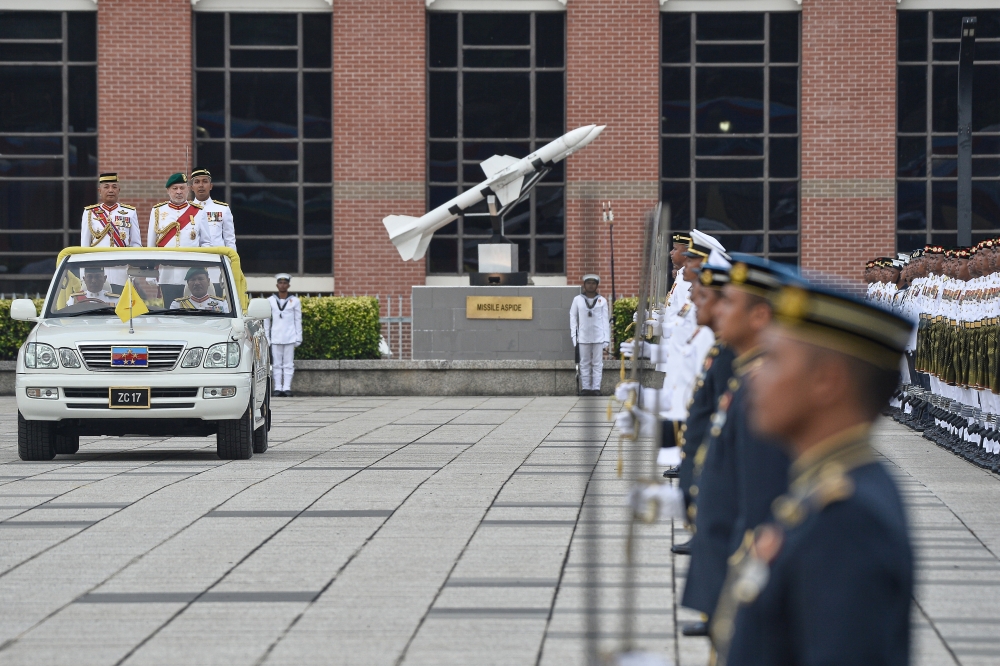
x=498 y=259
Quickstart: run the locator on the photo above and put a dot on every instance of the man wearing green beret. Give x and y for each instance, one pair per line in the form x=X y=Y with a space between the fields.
x=199 y=284
x=176 y=222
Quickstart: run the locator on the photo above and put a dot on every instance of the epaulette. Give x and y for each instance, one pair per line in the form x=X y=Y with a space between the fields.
x=221 y=203
x=162 y=203
x=91 y=206
x=196 y=205
x=110 y=295
x=833 y=486
x=127 y=206
x=78 y=293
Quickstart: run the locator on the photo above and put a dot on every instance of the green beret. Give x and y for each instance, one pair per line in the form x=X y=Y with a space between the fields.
x=195 y=270
x=176 y=178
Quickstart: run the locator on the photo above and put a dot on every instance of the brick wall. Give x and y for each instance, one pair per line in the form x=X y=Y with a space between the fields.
x=379 y=137
x=612 y=72
x=848 y=133
x=144 y=105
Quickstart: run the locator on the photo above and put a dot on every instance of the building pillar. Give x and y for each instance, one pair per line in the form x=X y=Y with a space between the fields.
x=379 y=142
x=848 y=134
x=612 y=78
x=144 y=87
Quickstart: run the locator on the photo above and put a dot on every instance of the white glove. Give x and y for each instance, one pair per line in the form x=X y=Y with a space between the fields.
x=623 y=389
x=669 y=457
x=654 y=326
x=626 y=348
x=656 y=501
x=625 y=423
x=647 y=423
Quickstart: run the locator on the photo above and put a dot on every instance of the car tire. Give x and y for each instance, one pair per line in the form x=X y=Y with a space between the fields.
x=66 y=444
x=260 y=434
x=234 y=440
x=35 y=439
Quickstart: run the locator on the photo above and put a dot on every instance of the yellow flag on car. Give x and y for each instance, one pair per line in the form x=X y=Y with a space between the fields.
x=130 y=304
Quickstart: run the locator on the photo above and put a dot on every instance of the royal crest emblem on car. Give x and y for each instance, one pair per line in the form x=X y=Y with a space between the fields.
x=131 y=357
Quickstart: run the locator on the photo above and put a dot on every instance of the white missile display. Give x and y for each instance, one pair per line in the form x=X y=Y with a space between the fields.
x=504 y=178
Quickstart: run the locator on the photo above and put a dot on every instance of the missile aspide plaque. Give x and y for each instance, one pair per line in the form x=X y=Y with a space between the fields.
x=498 y=307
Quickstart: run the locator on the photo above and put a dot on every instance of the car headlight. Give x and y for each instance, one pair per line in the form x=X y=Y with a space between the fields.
x=40 y=355
x=68 y=358
x=192 y=359
x=223 y=355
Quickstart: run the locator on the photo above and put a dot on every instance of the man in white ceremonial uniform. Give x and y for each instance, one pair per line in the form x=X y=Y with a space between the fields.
x=200 y=297
x=590 y=328
x=110 y=224
x=217 y=229
x=94 y=290
x=174 y=223
x=284 y=331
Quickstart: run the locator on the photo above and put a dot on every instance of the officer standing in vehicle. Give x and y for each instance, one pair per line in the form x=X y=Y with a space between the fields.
x=218 y=229
x=109 y=223
x=590 y=328
x=830 y=581
x=200 y=285
x=284 y=330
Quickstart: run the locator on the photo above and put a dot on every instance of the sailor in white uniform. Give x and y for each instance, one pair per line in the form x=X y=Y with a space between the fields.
x=217 y=229
x=590 y=328
x=284 y=330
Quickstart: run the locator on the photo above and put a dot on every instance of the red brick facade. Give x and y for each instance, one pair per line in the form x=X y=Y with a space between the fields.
x=612 y=78
x=848 y=133
x=144 y=105
x=379 y=120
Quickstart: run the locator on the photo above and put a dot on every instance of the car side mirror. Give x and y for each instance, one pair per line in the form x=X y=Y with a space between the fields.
x=23 y=309
x=259 y=308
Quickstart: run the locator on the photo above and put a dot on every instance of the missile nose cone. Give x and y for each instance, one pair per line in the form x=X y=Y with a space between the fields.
x=577 y=135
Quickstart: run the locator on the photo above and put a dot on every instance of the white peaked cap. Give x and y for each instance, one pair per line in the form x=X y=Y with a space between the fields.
x=702 y=238
x=283 y=276
x=719 y=259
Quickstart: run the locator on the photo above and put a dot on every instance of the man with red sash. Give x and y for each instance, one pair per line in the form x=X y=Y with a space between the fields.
x=109 y=223
x=176 y=222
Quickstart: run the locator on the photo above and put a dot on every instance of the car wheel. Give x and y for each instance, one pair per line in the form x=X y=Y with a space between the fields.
x=234 y=441
x=35 y=439
x=66 y=443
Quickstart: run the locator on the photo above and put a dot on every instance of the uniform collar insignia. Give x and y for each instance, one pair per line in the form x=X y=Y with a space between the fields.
x=202 y=299
x=108 y=208
x=182 y=206
x=747 y=361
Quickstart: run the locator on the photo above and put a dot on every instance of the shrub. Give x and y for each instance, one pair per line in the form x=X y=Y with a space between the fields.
x=339 y=327
x=13 y=333
x=621 y=317
x=332 y=328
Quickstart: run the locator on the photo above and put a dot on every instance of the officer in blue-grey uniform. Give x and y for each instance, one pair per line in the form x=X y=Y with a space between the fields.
x=709 y=387
x=736 y=474
x=830 y=581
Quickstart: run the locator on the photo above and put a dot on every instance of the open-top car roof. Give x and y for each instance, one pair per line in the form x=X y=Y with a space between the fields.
x=164 y=255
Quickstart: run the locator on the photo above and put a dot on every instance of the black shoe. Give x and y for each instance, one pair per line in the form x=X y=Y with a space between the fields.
x=671 y=473
x=695 y=629
x=681 y=549
x=288 y=394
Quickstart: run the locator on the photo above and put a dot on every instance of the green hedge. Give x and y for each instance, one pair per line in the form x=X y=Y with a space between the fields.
x=339 y=327
x=621 y=318
x=333 y=327
x=13 y=333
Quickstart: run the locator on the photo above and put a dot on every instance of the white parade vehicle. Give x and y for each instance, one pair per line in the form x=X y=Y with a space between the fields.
x=196 y=364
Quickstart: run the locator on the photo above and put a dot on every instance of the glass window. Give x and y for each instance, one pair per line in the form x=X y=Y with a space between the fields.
x=927 y=127
x=496 y=86
x=48 y=139
x=263 y=127
x=729 y=152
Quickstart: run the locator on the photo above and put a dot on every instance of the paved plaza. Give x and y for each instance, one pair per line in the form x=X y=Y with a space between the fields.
x=414 y=530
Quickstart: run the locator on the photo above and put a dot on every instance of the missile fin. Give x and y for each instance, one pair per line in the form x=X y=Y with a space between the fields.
x=425 y=240
x=496 y=164
x=409 y=248
x=509 y=192
x=397 y=224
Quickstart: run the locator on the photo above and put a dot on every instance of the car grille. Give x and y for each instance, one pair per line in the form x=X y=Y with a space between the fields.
x=102 y=405
x=160 y=357
x=154 y=393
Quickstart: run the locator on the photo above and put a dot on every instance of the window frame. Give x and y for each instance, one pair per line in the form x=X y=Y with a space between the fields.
x=70 y=231
x=226 y=183
x=766 y=135
x=947 y=237
x=533 y=141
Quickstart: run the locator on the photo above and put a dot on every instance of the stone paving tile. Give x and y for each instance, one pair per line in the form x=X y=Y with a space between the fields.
x=417 y=530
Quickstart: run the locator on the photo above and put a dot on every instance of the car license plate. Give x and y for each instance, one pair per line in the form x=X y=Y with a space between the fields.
x=129 y=397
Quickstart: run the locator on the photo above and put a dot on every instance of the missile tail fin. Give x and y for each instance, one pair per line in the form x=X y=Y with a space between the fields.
x=509 y=192
x=496 y=164
x=397 y=224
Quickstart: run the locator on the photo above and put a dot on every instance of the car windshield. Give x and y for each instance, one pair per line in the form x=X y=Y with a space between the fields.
x=179 y=288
